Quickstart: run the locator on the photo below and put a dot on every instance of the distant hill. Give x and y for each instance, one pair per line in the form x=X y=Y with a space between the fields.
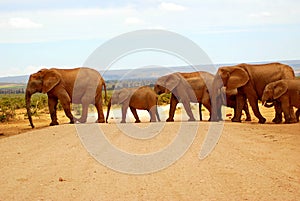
x=149 y=72
x=15 y=79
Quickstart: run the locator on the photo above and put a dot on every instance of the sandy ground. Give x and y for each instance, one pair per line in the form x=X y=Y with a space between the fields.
x=250 y=162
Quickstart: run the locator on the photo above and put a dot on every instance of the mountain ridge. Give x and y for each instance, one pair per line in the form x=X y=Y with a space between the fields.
x=152 y=72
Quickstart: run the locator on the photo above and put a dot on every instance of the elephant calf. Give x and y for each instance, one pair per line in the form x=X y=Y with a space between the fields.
x=231 y=96
x=287 y=93
x=143 y=98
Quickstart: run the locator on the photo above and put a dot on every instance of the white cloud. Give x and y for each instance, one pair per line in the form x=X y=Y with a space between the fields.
x=133 y=21
x=93 y=11
x=23 y=23
x=171 y=7
x=19 y=23
x=260 y=15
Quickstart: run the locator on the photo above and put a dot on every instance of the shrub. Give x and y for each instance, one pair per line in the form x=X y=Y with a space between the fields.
x=164 y=99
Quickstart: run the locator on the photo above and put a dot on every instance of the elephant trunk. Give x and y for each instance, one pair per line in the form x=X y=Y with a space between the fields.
x=108 y=109
x=267 y=101
x=28 y=99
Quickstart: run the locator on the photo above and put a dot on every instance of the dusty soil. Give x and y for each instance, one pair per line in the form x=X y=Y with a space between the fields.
x=250 y=162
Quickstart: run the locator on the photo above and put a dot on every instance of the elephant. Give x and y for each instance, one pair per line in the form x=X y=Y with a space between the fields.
x=287 y=93
x=143 y=98
x=201 y=82
x=78 y=85
x=250 y=81
x=187 y=87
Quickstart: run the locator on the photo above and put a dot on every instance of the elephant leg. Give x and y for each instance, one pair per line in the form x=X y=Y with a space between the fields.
x=173 y=103
x=254 y=104
x=297 y=115
x=246 y=109
x=65 y=101
x=278 y=112
x=240 y=102
x=52 y=104
x=156 y=112
x=207 y=105
x=124 y=112
x=84 y=114
x=188 y=110
x=288 y=111
x=200 y=111
x=293 y=116
x=99 y=108
x=137 y=119
x=152 y=113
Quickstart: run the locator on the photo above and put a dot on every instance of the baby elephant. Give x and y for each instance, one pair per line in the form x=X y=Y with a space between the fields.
x=287 y=92
x=143 y=98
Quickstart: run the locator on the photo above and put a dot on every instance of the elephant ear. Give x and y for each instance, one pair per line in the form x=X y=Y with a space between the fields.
x=238 y=77
x=172 y=81
x=50 y=80
x=123 y=95
x=279 y=89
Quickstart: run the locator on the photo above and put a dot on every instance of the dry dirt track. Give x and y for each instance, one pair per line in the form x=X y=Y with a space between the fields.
x=250 y=162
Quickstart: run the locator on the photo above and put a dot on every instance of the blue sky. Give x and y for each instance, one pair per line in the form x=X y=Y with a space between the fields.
x=36 y=34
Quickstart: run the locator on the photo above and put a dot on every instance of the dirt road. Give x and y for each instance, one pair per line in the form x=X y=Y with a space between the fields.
x=250 y=162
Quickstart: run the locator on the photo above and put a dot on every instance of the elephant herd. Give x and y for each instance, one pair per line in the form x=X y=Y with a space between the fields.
x=273 y=83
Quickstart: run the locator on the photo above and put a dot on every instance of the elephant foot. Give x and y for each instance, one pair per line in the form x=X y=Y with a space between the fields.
x=192 y=119
x=100 y=121
x=262 y=121
x=236 y=119
x=72 y=120
x=277 y=120
x=290 y=121
x=137 y=121
x=152 y=120
x=54 y=123
x=248 y=119
x=123 y=121
x=170 y=120
x=215 y=119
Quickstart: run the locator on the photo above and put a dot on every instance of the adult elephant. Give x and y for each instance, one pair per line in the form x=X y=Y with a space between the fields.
x=143 y=98
x=78 y=85
x=250 y=81
x=187 y=87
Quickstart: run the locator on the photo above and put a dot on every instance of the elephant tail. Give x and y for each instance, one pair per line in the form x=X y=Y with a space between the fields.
x=200 y=111
x=105 y=93
x=156 y=109
x=108 y=109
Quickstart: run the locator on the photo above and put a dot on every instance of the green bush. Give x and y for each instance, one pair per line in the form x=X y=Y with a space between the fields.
x=164 y=99
x=11 y=102
x=8 y=105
